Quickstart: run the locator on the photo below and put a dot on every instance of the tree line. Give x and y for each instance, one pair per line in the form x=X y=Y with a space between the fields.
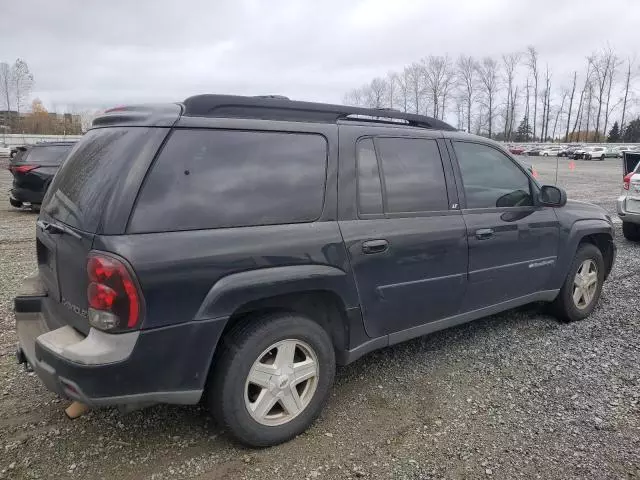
x=514 y=97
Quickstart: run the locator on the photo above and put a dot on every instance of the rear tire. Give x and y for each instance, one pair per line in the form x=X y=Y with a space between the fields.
x=260 y=348
x=631 y=231
x=602 y=158
x=15 y=203
x=580 y=293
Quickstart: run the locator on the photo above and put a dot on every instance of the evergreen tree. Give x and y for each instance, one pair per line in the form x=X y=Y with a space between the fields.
x=614 y=133
x=632 y=132
x=524 y=131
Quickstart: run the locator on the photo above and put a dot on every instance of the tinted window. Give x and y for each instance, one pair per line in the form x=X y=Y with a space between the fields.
x=369 y=191
x=101 y=160
x=490 y=178
x=413 y=175
x=52 y=155
x=217 y=178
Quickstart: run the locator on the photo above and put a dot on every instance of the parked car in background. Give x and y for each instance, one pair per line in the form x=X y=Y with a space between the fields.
x=533 y=152
x=595 y=153
x=620 y=150
x=578 y=153
x=237 y=261
x=16 y=149
x=5 y=151
x=628 y=204
x=549 y=151
x=516 y=150
x=33 y=169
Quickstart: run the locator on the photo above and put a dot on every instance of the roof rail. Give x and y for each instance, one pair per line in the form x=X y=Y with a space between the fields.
x=275 y=107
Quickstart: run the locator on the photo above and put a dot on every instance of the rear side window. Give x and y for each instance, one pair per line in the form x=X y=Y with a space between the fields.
x=413 y=175
x=221 y=178
x=94 y=170
x=369 y=190
x=52 y=155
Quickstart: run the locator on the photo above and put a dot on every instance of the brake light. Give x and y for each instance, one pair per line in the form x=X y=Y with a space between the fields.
x=626 y=181
x=114 y=298
x=23 y=168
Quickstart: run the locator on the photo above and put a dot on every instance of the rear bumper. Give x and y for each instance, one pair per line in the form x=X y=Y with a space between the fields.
x=27 y=196
x=623 y=213
x=167 y=365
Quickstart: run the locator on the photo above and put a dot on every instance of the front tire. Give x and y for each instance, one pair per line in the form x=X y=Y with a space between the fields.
x=15 y=203
x=580 y=293
x=602 y=158
x=271 y=378
x=631 y=231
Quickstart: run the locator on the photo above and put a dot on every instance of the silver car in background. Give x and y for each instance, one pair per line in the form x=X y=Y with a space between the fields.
x=628 y=204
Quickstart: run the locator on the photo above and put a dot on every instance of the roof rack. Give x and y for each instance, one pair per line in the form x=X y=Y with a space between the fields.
x=276 y=107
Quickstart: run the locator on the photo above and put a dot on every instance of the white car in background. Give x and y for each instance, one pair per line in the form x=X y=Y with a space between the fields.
x=551 y=151
x=5 y=151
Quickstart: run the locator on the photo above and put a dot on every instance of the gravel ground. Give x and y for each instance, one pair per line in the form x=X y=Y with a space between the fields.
x=517 y=395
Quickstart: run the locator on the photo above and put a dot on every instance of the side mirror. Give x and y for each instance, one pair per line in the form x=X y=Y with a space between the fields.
x=552 y=196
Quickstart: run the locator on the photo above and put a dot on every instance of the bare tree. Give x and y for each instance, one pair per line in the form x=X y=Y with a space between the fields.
x=626 y=91
x=403 y=87
x=573 y=91
x=546 y=104
x=488 y=76
x=565 y=94
x=602 y=67
x=22 y=80
x=514 y=97
x=392 y=80
x=415 y=80
x=510 y=63
x=354 y=98
x=589 y=108
x=533 y=67
x=6 y=84
x=578 y=122
x=376 y=93
x=467 y=68
x=438 y=78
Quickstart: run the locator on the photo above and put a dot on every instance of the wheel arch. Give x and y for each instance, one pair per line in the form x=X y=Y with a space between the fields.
x=594 y=231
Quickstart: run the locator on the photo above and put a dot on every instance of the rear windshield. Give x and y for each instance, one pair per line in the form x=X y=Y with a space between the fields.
x=83 y=186
x=50 y=155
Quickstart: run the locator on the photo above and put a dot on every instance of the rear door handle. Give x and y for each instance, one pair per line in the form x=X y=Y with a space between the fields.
x=484 y=233
x=374 y=246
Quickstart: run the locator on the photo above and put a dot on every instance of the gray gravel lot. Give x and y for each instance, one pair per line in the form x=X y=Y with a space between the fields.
x=517 y=395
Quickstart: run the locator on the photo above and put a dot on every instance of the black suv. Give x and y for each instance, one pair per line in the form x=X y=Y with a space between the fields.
x=33 y=167
x=235 y=249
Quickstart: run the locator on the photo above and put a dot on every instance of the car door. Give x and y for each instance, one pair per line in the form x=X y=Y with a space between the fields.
x=404 y=233
x=513 y=240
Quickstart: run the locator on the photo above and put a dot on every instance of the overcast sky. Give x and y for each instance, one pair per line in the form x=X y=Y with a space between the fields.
x=104 y=53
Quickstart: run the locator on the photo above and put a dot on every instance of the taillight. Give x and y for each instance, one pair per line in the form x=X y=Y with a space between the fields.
x=626 y=181
x=23 y=168
x=114 y=297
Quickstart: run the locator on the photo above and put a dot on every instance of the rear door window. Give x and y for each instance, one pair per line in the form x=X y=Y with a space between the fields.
x=413 y=175
x=207 y=179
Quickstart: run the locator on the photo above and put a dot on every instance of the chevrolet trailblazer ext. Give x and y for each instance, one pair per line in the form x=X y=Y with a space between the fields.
x=235 y=249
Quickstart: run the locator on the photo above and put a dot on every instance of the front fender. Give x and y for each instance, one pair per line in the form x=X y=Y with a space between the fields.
x=571 y=238
x=231 y=292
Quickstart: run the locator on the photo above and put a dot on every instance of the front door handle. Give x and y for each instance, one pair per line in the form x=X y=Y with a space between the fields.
x=374 y=246
x=484 y=233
